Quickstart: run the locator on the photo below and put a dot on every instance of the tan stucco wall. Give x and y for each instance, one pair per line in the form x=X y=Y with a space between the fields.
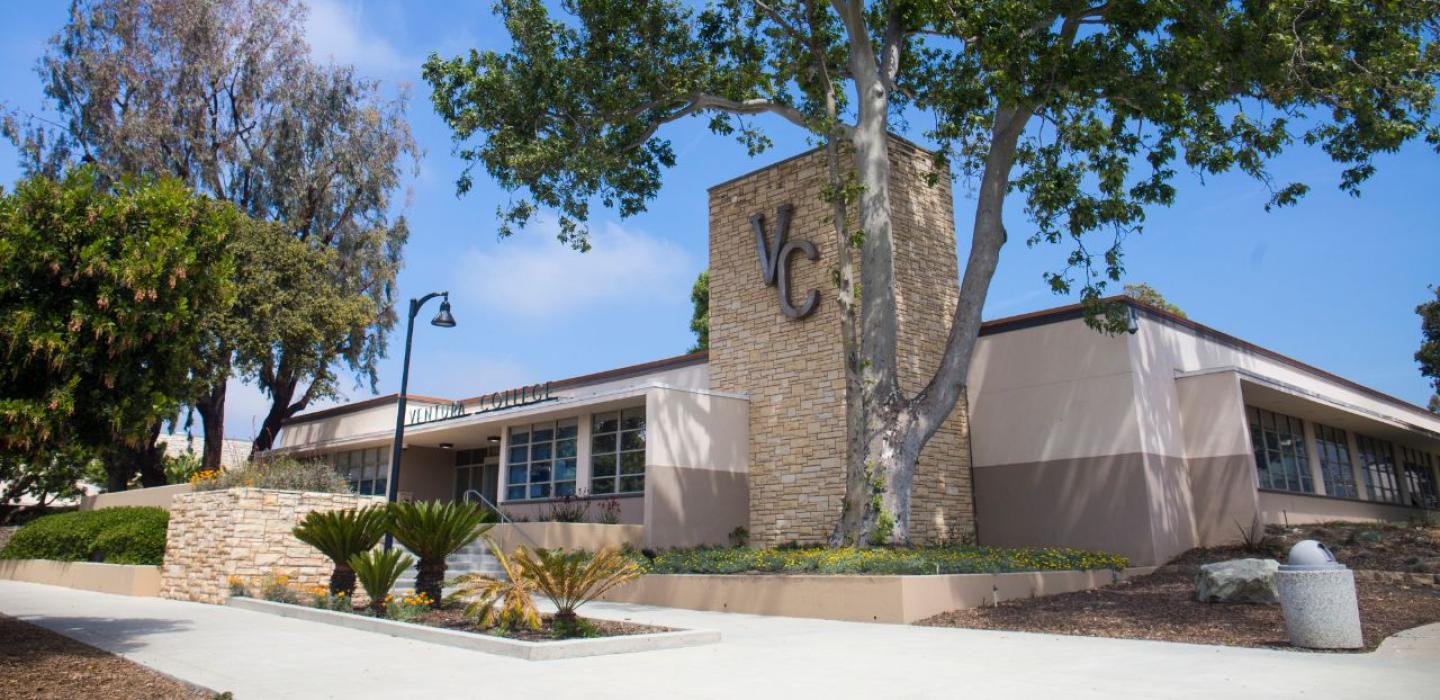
x=590 y=537
x=245 y=533
x=632 y=508
x=158 y=497
x=1299 y=509
x=427 y=473
x=793 y=369
x=696 y=476
x=893 y=599
x=119 y=579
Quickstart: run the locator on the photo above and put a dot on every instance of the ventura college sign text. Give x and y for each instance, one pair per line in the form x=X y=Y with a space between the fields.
x=775 y=260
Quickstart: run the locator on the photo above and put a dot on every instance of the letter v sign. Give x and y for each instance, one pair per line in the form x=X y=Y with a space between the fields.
x=775 y=260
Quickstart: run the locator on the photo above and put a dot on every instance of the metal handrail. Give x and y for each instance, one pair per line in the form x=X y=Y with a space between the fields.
x=503 y=517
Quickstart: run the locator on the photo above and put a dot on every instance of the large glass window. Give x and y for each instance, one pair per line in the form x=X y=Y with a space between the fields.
x=1377 y=459
x=367 y=471
x=1420 y=477
x=1279 y=442
x=617 y=452
x=542 y=460
x=1333 y=450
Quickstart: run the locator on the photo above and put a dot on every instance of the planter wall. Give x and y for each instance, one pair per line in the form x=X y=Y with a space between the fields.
x=896 y=599
x=155 y=496
x=120 y=579
x=587 y=536
x=214 y=535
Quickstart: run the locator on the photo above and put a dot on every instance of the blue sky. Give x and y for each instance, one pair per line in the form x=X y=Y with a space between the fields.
x=1333 y=282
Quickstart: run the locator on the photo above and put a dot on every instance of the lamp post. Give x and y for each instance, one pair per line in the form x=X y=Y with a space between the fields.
x=442 y=319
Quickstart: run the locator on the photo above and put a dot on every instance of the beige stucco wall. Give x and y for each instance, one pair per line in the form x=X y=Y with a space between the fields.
x=158 y=497
x=590 y=537
x=245 y=533
x=1300 y=509
x=632 y=508
x=119 y=579
x=893 y=599
x=793 y=369
x=427 y=473
x=696 y=473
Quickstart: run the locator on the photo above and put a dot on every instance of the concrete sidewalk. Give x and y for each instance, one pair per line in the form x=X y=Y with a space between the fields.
x=261 y=656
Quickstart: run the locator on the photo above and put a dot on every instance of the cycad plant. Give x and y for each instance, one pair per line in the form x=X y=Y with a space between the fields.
x=501 y=602
x=434 y=530
x=572 y=578
x=378 y=570
x=341 y=534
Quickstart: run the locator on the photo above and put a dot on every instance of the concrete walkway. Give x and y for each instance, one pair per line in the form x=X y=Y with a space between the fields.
x=261 y=656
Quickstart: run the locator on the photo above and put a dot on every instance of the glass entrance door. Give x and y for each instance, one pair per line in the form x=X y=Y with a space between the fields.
x=478 y=470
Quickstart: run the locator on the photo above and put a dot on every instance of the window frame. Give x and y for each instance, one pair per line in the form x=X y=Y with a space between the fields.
x=1298 y=465
x=1418 y=463
x=1373 y=469
x=612 y=480
x=1337 y=465
x=366 y=470
x=533 y=489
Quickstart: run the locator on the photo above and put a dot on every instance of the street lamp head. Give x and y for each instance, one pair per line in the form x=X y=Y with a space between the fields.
x=443 y=319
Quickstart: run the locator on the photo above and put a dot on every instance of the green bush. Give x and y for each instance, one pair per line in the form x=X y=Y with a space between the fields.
x=285 y=473
x=112 y=535
x=899 y=560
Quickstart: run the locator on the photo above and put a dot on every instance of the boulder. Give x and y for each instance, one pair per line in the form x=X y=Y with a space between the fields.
x=1238 y=581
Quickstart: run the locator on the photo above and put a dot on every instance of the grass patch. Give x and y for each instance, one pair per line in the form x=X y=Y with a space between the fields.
x=852 y=560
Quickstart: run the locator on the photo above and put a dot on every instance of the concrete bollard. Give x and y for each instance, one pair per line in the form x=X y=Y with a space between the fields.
x=1317 y=596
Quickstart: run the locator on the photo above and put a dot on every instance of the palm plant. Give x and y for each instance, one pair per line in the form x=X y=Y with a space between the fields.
x=434 y=530
x=503 y=602
x=572 y=578
x=341 y=534
x=378 y=570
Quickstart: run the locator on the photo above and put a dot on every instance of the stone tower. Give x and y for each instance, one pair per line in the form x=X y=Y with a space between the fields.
x=792 y=368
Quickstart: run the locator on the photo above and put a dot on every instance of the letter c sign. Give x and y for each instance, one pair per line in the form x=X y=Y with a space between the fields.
x=775 y=258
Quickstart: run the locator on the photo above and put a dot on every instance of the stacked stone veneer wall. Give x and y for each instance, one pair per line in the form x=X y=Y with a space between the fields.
x=214 y=535
x=793 y=370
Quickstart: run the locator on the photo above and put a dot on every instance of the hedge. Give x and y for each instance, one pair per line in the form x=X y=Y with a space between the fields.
x=879 y=560
x=132 y=535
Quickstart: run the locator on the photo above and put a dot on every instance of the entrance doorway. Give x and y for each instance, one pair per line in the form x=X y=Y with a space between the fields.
x=477 y=470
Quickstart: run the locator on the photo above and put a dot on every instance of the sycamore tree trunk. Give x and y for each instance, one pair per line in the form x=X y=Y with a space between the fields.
x=887 y=430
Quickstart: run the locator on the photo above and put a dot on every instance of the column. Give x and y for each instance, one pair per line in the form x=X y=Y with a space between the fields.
x=1357 y=464
x=1312 y=458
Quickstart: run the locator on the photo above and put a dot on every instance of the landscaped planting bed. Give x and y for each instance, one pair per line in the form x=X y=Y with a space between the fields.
x=38 y=663
x=962 y=559
x=132 y=535
x=1162 y=606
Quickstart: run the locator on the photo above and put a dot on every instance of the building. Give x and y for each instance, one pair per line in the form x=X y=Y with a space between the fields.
x=1147 y=443
x=233 y=453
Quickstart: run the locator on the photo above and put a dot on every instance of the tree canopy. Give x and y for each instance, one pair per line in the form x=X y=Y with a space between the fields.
x=1146 y=294
x=1429 y=353
x=223 y=95
x=1085 y=110
x=700 y=316
x=101 y=294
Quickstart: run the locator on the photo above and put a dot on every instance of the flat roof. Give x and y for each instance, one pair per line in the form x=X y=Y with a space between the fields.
x=1074 y=311
x=567 y=383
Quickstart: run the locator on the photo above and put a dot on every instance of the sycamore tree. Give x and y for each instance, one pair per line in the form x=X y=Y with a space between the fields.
x=1146 y=294
x=1085 y=112
x=102 y=292
x=223 y=94
x=1428 y=356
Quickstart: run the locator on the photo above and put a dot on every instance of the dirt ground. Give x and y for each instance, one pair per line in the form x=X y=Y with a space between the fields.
x=1163 y=607
x=38 y=663
x=1372 y=546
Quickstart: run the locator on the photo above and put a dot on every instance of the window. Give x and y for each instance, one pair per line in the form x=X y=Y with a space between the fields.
x=368 y=471
x=1279 y=443
x=1333 y=450
x=617 y=452
x=1377 y=458
x=1419 y=477
x=542 y=461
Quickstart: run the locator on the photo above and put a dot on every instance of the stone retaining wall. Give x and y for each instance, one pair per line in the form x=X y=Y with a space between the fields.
x=245 y=533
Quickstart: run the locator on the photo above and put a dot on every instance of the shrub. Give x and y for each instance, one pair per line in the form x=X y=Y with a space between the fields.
x=131 y=535
x=340 y=535
x=286 y=473
x=275 y=587
x=409 y=607
x=899 y=560
x=378 y=570
x=498 y=602
x=569 y=509
x=572 y=578
x=433 y=530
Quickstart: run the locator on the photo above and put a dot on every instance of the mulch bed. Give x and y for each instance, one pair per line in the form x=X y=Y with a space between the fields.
x=452 y=617
x=38 y=663
x=1369 y=546
x=1162 y=606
